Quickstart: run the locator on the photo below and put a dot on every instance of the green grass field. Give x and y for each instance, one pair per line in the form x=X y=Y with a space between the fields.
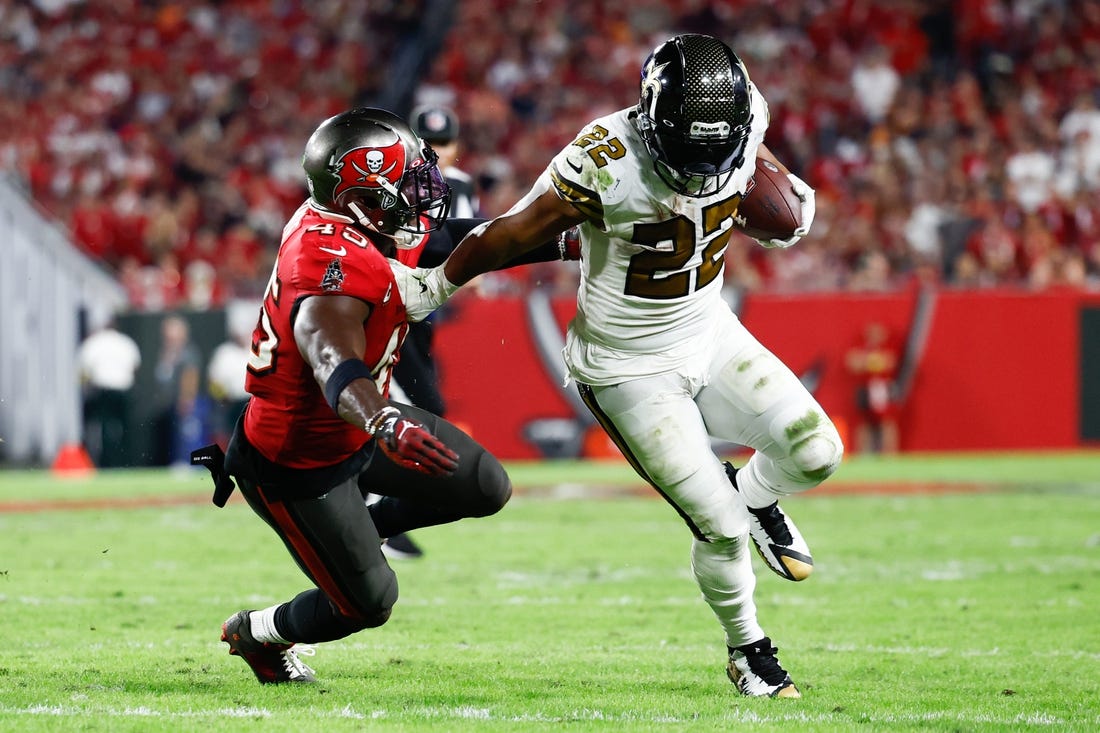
x=965 y=598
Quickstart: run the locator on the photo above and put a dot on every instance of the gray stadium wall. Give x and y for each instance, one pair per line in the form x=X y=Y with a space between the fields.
x=48 y=291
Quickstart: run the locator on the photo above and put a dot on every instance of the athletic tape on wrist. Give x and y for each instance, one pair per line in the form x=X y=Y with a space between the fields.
x=344 y=374
x=379 y=419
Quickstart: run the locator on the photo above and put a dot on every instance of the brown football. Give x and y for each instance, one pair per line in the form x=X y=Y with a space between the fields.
x=771 y=209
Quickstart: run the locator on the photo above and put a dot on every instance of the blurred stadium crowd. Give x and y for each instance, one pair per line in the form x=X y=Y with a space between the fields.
x=950 y=142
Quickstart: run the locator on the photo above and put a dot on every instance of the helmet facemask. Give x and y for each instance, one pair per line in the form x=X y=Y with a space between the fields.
x=698 y=163
x=418 y=204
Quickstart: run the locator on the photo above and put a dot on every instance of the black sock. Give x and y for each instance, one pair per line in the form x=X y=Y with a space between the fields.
x=310 y=618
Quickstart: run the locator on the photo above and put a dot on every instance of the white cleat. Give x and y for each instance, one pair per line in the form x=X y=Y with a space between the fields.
x=755 y=672
x=777 y=539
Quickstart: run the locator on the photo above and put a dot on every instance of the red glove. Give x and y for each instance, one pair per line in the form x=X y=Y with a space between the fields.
x=569 y=244
x=410 y=445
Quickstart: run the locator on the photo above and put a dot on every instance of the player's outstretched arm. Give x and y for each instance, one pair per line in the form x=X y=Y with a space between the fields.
x=538 y=218
x=531 y=223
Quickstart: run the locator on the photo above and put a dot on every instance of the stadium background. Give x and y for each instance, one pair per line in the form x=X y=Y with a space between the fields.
x=151 y=154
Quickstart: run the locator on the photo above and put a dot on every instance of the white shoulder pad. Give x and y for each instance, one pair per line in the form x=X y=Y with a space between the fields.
x=599 y=166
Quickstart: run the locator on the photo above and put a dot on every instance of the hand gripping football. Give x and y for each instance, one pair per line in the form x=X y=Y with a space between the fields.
x=771 y=209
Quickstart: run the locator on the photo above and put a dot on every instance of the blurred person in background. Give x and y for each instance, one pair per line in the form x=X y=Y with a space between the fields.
x=874 y=362
x=180 y=410
x=659 y=358
x=415 y=373
x=319 y=434
x=439 y=127
x=228 y=367
x=109 y=360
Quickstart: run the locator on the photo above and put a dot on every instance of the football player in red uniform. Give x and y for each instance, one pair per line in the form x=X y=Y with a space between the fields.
x=319 y=433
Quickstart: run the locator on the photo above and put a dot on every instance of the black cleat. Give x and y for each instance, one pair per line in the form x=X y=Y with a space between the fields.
x=755 y=672
x=272 y=663
x=402 y=547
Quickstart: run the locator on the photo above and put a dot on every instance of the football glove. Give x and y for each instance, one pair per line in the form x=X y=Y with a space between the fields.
x=809 y=208
x=422 y=289
x=410 y=445
x=569 y=244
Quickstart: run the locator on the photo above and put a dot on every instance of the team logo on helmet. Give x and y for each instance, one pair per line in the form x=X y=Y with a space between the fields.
x=651 y=85
x=372 y=168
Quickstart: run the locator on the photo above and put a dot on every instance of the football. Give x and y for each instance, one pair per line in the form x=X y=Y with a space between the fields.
x=771 y=209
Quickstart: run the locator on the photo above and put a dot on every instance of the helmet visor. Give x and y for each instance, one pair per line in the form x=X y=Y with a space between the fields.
x=693 y=155
x=427 y=195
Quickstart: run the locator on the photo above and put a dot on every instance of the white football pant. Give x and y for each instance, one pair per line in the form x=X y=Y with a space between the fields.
x=739 y=392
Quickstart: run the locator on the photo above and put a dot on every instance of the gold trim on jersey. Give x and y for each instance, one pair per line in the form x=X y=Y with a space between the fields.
x=586 y=200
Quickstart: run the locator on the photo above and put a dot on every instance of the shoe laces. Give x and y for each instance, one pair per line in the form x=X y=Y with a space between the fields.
x=773 y=521
x=295 y=667
x=771 y=517
x=762 y=661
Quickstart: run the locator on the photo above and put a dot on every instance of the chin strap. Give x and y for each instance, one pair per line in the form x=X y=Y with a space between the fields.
x=402 y=239
x=361 y=216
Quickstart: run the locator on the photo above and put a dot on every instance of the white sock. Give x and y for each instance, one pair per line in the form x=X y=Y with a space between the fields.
x=755 y=490
x=263 y=626
x=724 y=573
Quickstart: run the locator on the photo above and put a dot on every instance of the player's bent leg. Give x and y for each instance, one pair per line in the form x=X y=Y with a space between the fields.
x=804 y=450
x=660 y=431
x=753 y=399
x=492 y=486
x=337 y=545
x=356 y=590
x=334 y=542
x=479 y=487
x=814 y=453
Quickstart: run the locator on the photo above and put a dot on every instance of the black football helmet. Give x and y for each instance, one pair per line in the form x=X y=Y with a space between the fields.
x=694 y=113
x=368 y=164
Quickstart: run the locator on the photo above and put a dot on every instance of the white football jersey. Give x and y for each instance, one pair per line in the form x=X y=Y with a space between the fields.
x=651 y=259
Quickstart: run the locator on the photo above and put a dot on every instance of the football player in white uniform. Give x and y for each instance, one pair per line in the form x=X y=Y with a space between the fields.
x=657 y=354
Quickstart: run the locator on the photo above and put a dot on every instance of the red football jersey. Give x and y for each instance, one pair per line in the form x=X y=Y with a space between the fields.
x=288 y=420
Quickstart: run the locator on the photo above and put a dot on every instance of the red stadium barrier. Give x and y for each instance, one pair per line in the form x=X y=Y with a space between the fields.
x=999 y=369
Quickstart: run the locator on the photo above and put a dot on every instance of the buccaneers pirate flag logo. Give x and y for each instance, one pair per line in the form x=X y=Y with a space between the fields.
x=375 y=169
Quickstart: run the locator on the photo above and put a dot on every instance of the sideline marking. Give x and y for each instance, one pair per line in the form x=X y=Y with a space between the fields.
x=118 y=502
x=562 y=491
